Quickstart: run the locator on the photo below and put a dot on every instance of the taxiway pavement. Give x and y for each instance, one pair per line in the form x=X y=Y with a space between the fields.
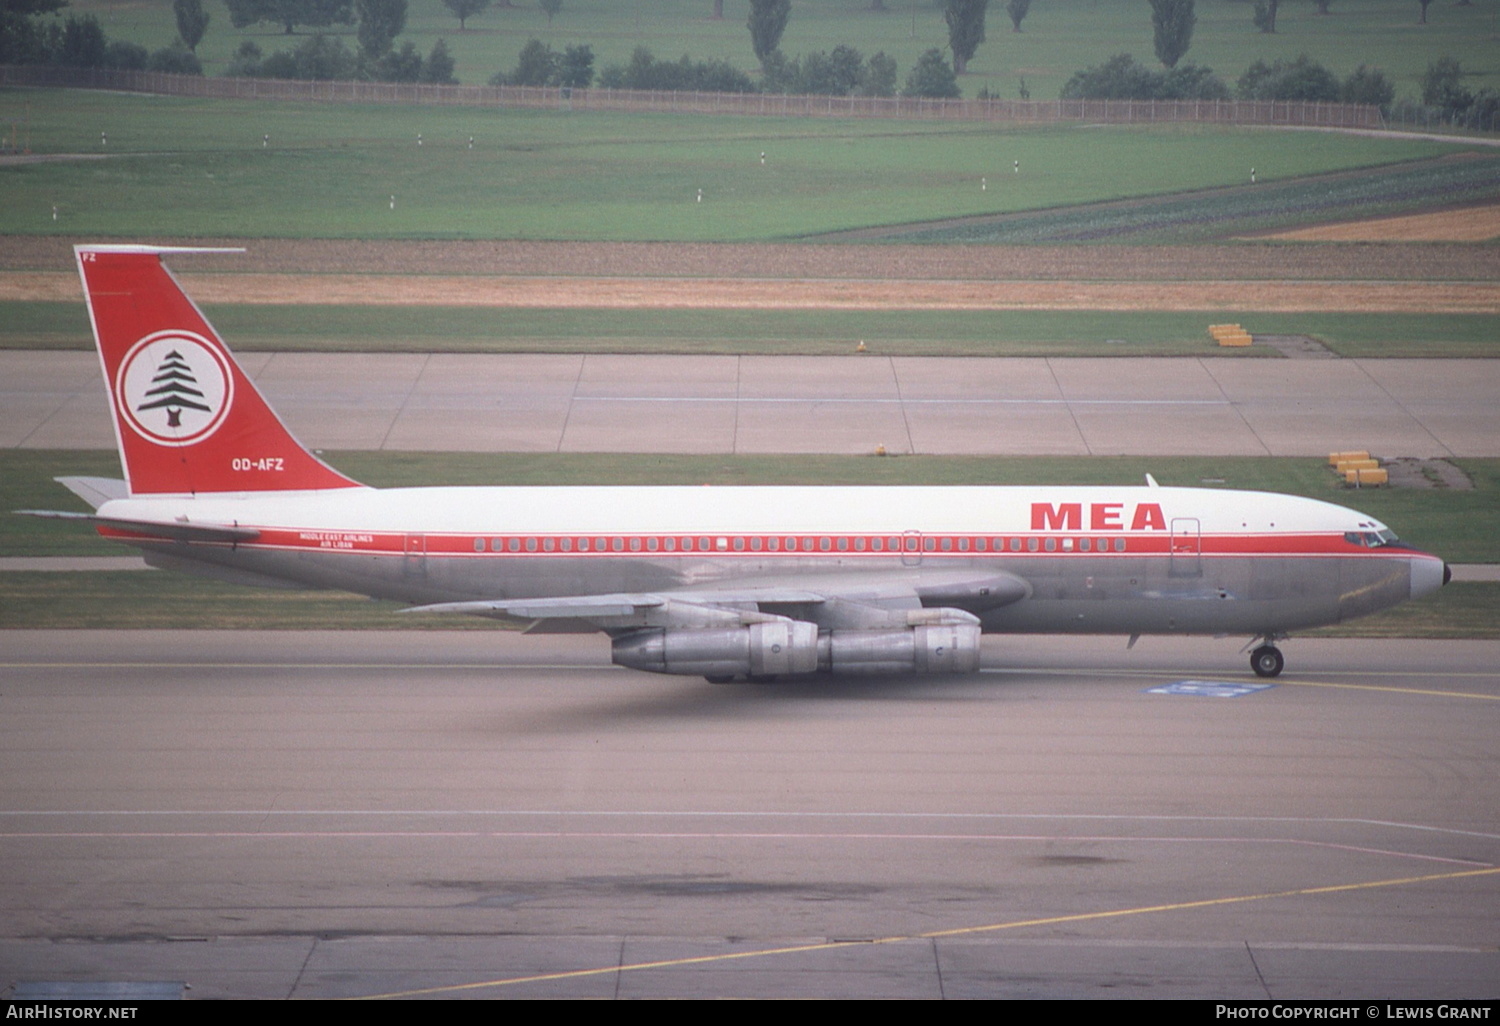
x=481 y=814
x=792 y=404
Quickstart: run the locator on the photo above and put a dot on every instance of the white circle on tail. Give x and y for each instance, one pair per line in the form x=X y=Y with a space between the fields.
x=174 y=388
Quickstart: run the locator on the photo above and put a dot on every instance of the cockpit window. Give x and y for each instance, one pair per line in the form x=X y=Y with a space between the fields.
x=1371 y=539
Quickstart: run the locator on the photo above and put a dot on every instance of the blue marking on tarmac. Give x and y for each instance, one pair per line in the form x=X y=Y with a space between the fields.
x=1209 y=688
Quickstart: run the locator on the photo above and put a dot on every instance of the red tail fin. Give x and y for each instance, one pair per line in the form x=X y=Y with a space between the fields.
x=187 y=418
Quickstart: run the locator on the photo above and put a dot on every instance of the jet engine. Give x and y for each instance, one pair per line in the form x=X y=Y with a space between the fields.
x=791 y=647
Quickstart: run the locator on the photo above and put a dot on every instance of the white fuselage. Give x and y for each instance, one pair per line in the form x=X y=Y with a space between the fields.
x=1115 y=559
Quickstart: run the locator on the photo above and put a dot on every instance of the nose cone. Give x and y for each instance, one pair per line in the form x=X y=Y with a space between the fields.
x=1428 y=574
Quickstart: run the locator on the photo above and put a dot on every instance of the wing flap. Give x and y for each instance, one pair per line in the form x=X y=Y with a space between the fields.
x=610 y=612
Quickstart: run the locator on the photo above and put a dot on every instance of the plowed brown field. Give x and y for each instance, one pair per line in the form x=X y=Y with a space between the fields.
x=1471 y=224
x=762 y=293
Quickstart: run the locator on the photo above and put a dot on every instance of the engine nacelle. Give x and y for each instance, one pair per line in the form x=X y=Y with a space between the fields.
x=759 y=650
x=792 y=647
x=939 y=648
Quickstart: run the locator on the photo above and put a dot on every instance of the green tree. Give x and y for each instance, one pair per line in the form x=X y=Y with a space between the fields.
x=403 y=65
x=192 y=21
x=1264 y=15
x=1301 y=79
x=23 y=39
x=551 y=7
x=126 y=56
x=880 y=76
x=380 y=22
x=291 y=13
x=465 y=9
x=1368 y=85
x=83 y=43
x=576 y=69
x=1442 y=86
x=1172 y=24
x=1017 y=9
x=439 y=67
x=535 y=66
x=932 y=77
x=1121 y=78
x=767 y=22
x=965 y=20
x=646 y=72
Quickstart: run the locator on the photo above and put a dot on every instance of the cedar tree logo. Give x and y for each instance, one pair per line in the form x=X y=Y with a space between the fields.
x=174 y=388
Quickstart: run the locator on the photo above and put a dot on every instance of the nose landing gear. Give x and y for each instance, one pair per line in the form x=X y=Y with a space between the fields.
x=1267 y=661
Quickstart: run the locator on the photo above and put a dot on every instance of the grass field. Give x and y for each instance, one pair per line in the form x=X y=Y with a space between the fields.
x=1267 y=206
x=188 y=167
x=808 y=332
x=1058 y=37
x=1463 y=527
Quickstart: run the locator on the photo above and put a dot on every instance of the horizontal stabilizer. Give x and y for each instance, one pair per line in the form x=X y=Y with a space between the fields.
x=166 y=530
x=95 y=491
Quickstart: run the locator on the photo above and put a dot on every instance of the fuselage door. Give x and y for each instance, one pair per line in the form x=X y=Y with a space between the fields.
x=414 y=562
x=911 y=548
x=1187 y=547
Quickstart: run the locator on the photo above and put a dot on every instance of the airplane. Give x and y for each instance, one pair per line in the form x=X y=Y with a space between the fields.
x=727 y=583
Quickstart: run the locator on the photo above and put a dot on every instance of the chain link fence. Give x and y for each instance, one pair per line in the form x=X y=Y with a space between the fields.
x=1230 y=112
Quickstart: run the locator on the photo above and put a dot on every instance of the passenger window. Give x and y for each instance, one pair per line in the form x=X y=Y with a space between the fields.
x=478 y=544
x=530 y=544
x=635 y=545
x=1051 y=544
x=514 y=545
x=567 y=544
x=547 y=545
x=1032 y=545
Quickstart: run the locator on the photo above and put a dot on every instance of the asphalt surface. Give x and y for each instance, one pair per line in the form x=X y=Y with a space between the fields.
x=480 y=814
x=312 y=814
x=854 y=404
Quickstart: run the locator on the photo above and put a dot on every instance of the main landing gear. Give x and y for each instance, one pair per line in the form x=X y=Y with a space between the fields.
x=1267 y=660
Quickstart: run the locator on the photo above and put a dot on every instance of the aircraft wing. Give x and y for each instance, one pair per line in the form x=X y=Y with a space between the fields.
x=853 y=600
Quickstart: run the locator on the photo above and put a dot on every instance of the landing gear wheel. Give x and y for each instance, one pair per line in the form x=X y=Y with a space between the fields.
x=1267 y=661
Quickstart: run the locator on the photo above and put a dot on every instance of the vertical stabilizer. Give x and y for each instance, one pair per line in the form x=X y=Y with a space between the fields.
x=187 y=418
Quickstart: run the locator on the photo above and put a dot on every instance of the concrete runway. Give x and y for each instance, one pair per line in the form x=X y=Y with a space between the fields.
x=754 y=404
x=478 y=814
